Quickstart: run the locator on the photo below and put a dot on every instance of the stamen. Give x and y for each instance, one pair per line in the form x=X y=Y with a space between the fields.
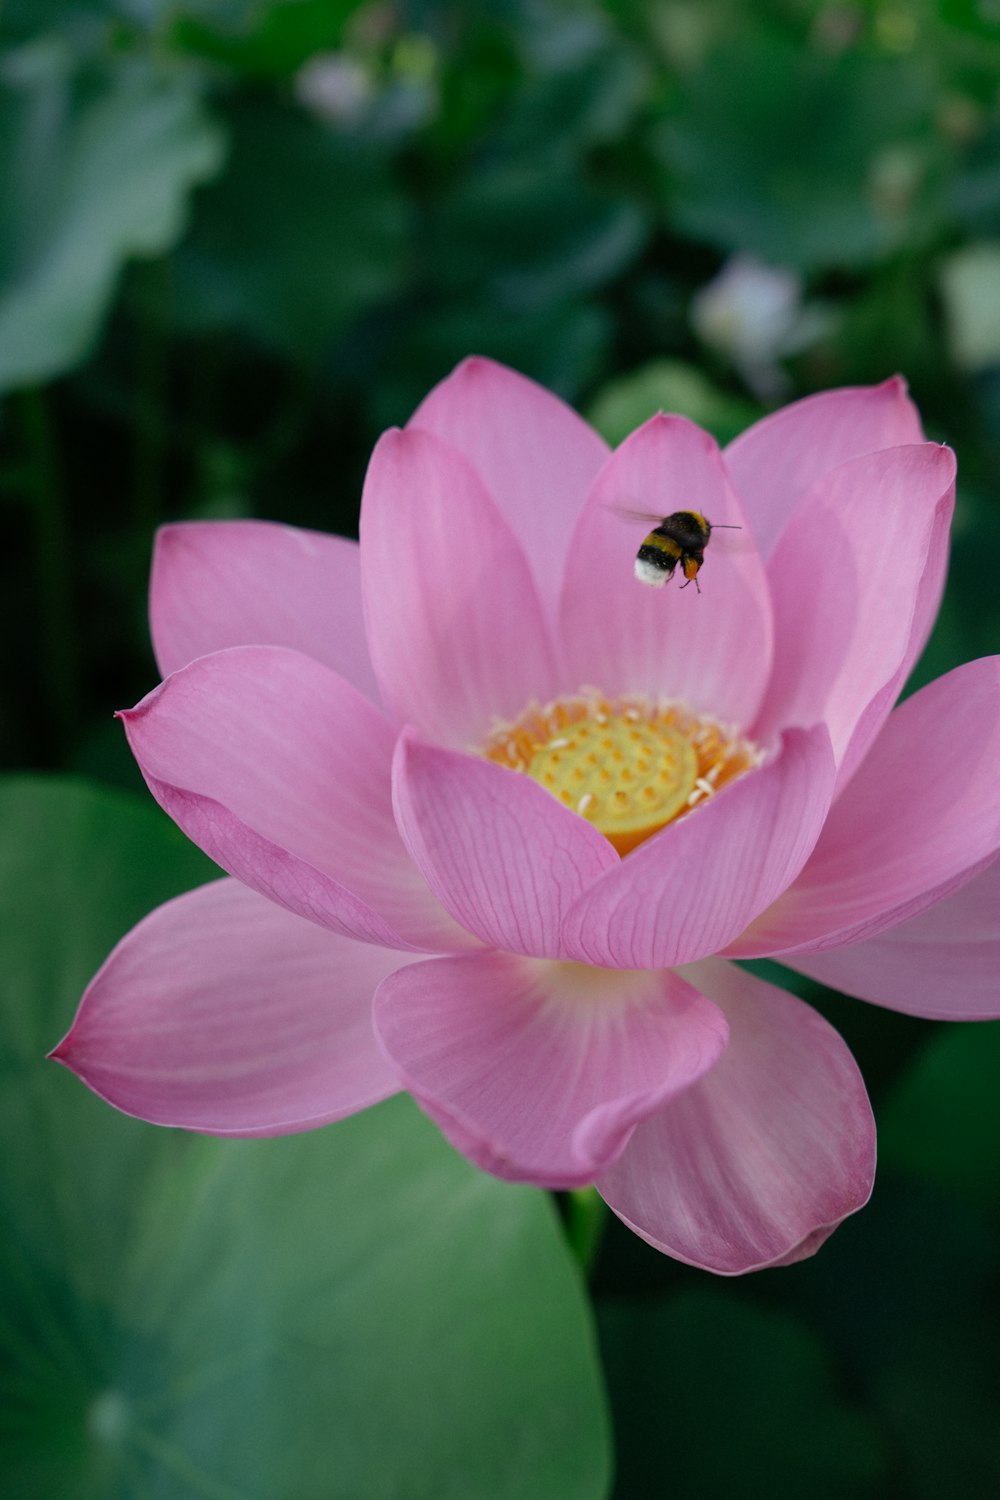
x=627 y=765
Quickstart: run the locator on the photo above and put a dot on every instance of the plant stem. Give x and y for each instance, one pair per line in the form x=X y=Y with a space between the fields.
x=585 y=1216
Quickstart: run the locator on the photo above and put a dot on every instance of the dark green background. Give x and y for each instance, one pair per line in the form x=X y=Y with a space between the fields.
x=213 y=296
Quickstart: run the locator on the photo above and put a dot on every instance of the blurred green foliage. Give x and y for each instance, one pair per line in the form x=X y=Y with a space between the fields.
x=237 y=239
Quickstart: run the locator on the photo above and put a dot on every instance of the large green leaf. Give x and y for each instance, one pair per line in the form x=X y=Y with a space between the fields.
x=95 y=170
x=353 y=1313
x=801 y=156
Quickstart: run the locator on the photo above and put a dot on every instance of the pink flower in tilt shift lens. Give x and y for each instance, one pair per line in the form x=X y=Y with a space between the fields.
x=499 y=818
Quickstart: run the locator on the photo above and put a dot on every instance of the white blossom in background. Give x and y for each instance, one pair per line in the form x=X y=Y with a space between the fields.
x=334 y=86
x=754 y=315
x=970 y=294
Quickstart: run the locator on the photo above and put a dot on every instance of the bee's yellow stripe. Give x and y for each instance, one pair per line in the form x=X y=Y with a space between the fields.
x=663 y=544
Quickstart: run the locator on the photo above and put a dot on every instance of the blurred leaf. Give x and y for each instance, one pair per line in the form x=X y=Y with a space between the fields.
x=977 y=16
x=583 y=80
x=94 y=171
x=970 y=288
x=22 y=20
x=890 y=327
x=530 y=232
x=668 y=385
x=907 y=1305
x=942 y=1407
x=303 y=234
x=800 y=156
x=267 y=39
x=561 y=346
x=974 y=192
x=741 y=1401
x=352 y=1313
x=941 y=1123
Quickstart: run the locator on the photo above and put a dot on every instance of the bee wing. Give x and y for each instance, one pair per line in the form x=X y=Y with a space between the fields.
x=626 y=513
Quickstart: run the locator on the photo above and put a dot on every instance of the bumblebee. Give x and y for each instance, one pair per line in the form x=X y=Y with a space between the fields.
x=679 y=538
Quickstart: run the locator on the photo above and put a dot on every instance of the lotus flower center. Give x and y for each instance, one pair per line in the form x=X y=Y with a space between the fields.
x=627 y=766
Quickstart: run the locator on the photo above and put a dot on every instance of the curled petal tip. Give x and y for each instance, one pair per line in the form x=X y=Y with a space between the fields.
x=474 y=364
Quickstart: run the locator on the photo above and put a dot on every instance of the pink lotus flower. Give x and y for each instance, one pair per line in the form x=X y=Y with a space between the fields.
x=477 y=737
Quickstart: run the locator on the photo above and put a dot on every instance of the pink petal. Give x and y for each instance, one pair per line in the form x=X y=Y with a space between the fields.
x=454 y=624
x=920 y=818
x=695 y=886
x=222 y=1013
x=928 y=601
x=851 y=580
x=281 y=772
x=540 y=1071
x=943 y=964
x=536 y=457
x=500 y=853
x=761 y=1160
x=711 y=651
x=252 y=583
x=777 y=461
